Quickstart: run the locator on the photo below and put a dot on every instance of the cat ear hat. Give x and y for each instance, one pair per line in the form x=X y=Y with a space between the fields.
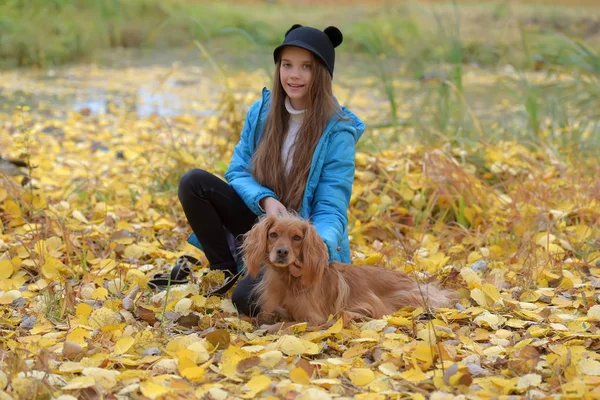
x=321 y=43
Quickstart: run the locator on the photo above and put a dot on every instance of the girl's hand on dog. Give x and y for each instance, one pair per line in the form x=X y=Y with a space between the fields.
x=272 y=206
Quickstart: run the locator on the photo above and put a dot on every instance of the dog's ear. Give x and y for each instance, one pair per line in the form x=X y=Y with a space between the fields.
x=255 y=245
x=315 y=256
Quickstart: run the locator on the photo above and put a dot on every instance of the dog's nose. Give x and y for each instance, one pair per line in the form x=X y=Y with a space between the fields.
x=282 y=251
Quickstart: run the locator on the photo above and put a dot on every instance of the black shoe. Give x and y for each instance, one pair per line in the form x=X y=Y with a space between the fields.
x=179 y=275
x=230 y=280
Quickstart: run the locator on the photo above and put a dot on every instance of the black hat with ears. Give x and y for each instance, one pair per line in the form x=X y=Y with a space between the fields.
x=321 y=43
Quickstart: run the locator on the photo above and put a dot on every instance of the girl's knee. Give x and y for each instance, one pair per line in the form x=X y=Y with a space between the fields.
x=191 y=181
x=239 y=298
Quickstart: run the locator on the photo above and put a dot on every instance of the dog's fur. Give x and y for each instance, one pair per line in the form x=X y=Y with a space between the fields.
x=298 y=284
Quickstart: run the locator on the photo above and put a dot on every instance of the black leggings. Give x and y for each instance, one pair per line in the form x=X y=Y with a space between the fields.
x=211 y=205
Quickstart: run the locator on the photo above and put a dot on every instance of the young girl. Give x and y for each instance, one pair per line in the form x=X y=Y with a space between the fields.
x=296 y=152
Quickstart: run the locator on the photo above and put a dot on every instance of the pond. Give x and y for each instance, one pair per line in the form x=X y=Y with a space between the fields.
x=166 y=85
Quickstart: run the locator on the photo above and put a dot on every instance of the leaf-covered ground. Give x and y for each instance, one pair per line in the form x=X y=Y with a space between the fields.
x=95 y=215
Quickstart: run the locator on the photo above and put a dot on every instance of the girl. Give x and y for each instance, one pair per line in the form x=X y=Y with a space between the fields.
x=296 y=152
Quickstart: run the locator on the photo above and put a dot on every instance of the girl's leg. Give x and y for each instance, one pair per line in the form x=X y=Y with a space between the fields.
x=242 y=297
x=210 y=203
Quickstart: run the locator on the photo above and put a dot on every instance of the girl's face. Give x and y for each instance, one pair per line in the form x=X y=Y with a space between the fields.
x=295 y=74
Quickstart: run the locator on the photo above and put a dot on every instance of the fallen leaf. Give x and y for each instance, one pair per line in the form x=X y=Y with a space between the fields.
x=123 y=345
x=256 y=385
x=299 y=375
x=219 y=338
x=361 y=376
x=293 y=346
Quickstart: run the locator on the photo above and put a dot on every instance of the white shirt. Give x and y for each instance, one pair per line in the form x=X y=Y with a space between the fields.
x=287 y=151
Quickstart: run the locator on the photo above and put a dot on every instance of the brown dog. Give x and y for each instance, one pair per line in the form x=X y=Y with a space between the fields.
x=299 y=284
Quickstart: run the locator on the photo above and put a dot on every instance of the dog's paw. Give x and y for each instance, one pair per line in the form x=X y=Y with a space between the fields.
x=349 y=316
x=274 y=328
x=267 y=318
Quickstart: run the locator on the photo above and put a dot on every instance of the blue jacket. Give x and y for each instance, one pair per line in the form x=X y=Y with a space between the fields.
x=329 y=185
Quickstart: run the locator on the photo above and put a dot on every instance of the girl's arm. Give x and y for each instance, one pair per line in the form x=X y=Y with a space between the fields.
x=239 y=174
x=332 y=195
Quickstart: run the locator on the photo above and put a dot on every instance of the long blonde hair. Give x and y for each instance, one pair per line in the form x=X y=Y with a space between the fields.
x=267 y=165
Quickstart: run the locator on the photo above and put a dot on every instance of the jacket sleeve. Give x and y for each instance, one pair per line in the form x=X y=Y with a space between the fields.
x=239 y=174
x=333 y=191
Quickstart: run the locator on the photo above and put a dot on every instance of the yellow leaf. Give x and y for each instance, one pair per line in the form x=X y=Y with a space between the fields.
x=390 y=370
x=3 y=380
x=198 y=301
x=543 y=239
x=332 y=330
x=589 y=367
x=201 y=353
x=70 y=367
x=6 y=269
x=361 y=376
x=529 y=380
x=581 y=232
x=10 y=296
x=424 y=353
x=356 y=350
x=194 y=374
x=537 y=331
x=314 y=394
x=215 y=394
x=399 y=321
x=271 y=358
x=414 y=375
x=491 y=291
x=293 y=346
x=473 y=280
x=81 y=382
x=51 y=268
x=3 y=194
x=529 y=296
x=12 y=209
x=230 y=359
x=594 y=313
x=102 y=317
x=479 y=297
x=134 y=251
x=104 y=377
x=153 y=390
x=83 y=310
x=99 y=294
x=43 y=326
x=256 y=385
x=362 y=159
x=39 y=201
x=123 y=345
x=163 y=223
x=184 y=361
x=376 y=325
x=78 y=335
x=79 y=216
x=488 y=319
x=299 y=375
x=183 y=306
x=105 y=266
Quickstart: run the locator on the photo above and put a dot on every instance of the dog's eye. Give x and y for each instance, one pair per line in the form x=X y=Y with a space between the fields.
x=297 y=238
x=273 y=235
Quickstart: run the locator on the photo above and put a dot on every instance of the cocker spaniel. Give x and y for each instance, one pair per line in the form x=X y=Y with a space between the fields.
x=300 y=285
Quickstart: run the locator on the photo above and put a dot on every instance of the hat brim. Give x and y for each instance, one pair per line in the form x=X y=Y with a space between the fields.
x=304 y=46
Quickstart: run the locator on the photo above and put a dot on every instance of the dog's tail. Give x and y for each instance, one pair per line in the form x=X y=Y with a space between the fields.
x=430 y=295
x=437 y=297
